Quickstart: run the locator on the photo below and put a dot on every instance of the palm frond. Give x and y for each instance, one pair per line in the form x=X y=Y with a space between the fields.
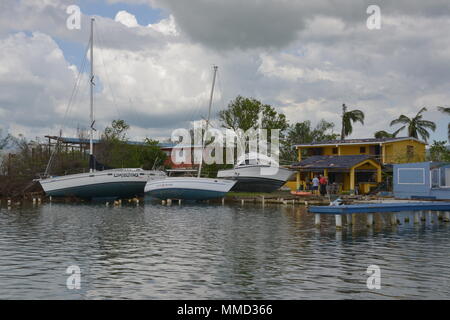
x=426 y=124
x=444 y=110
x=402 y=119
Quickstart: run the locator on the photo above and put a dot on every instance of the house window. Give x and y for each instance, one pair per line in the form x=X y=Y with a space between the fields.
x=435 y=178
x=362 y=150
x=335 y=150
x=445 y=177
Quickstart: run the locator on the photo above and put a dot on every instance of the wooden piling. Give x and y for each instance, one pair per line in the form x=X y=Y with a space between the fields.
x=393 y=219
x=369 y=219
x=422 y=216
x=317 y=219
x=349 y=218
x=416 y=217
x=338 y=219
x=446 y=216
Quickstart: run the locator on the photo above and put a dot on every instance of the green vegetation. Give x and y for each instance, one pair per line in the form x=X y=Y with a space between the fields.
x=446 y=111
x=348 y=118
x=439 y=152
x=303 y=132
x=416 y=126
x=115 y=151
x=243 y=113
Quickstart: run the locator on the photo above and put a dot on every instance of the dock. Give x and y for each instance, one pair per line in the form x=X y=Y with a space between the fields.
x=418 y=209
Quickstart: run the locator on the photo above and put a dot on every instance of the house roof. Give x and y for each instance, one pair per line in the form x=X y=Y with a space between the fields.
x=356 y=141
x=332 y=162
x=162 y=145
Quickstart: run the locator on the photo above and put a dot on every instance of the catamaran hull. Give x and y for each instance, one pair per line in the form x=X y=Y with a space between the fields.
x=100 y=184
x=250 y=179
x=188 y=188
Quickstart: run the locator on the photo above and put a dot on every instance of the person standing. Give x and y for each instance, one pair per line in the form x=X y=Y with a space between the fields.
x=315 y=185
x=323 y=185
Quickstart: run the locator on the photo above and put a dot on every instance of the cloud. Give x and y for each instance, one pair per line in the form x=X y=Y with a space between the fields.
x=304 y=58
x=126 y=19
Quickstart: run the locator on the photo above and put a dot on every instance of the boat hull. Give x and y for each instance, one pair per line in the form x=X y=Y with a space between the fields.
x=186 y=188
x=114 y=183
x=250 y=179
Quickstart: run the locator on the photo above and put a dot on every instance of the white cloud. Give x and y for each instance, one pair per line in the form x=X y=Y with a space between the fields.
x=304 y=58
x=126 y=19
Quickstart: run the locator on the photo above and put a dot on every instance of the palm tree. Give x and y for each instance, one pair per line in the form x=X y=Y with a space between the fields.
x=416 y=126
x=446 y=110
x=348 y=118
x=384 y=134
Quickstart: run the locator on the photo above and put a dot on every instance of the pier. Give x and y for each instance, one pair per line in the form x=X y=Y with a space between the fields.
x=419 y=210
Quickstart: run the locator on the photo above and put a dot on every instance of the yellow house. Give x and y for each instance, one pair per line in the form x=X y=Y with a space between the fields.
x=353 y=164
x=385 y=150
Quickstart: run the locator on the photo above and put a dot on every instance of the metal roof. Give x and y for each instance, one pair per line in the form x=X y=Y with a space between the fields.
x=163 y=145
x=356 y=141
x=332 y=162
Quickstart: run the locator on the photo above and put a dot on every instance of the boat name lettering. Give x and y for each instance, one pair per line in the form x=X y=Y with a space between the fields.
x=127 y=174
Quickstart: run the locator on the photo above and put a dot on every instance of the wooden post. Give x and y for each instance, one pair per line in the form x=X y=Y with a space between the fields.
x=338 y=221
x=297 y=184
x=262 y=200
x=349 y=218
x=223 y=201
x=393 y=219
x=242 y=202
x=416 y=217
x=369 y=219
x=317 y=219
x=447 y=216
x=422 y=216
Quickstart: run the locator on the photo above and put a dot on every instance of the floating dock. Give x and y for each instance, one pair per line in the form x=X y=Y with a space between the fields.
x=381 y=207
x=418 y=209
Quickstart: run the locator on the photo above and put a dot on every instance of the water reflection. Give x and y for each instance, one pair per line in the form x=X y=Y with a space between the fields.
x=214 y=251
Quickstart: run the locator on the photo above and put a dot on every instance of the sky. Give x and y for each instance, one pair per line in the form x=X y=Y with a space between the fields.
x=153 y=62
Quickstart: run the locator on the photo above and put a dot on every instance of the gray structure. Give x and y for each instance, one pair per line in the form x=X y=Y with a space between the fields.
x=422 y=180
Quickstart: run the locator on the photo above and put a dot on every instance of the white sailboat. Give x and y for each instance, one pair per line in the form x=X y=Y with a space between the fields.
x=191 y=188
x=113 y=183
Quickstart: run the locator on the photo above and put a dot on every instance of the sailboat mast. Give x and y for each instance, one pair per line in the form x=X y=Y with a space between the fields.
x=91 y=135
x=207 y=121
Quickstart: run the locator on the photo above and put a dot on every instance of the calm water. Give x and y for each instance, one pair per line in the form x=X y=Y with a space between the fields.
x=214 y=252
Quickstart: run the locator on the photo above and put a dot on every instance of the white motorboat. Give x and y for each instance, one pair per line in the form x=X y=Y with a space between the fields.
x=113 y=183
x=253 y=175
